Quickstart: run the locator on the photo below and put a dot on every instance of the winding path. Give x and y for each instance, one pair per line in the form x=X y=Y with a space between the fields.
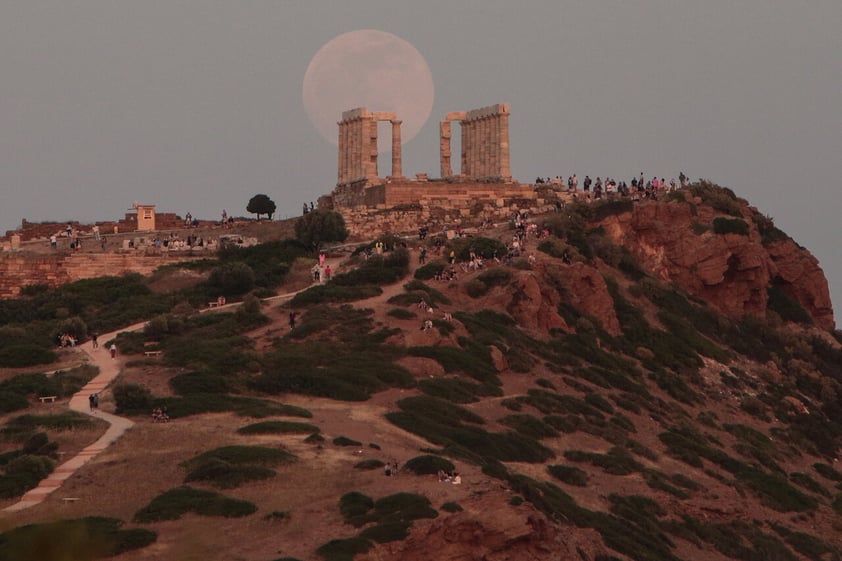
x=109 y=368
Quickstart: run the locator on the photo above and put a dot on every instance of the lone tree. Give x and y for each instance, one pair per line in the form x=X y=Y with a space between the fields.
x=261 y=204
x=320 y=226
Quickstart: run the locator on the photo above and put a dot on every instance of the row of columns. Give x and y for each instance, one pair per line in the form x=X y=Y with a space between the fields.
x=485 y=144
x=358 y=145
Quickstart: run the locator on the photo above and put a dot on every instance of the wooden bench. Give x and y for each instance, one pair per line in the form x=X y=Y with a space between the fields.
x=68 y=500
x=48 y=398
x=213 y=304
x=152 y=353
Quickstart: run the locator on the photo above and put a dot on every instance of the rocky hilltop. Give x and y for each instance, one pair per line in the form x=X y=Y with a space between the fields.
x=657 y=380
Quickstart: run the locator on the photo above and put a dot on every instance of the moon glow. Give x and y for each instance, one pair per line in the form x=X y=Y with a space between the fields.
x=372 y=69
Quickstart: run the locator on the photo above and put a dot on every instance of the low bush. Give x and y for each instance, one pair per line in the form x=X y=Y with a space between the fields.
x=22 y=474
x=569 y=474
x=428 y=465
x=197 y=404
x=243 y=455
x=529 y=426
x=225 y=475
x=787 y=307
x=345 y=441
x=616 y=461
x=10 y=401
x=132 y=399
x=386 y=532
x=452 y=507
x=400 y=313
x=369 y=464
x=722 y=225
x=344 y=549
x=807 y=482
x=827 y=471
x=201 y=382
x=476 y=288
x=330 y=292
x=82 y=538
x=434 y=297
x=23 y=355
x=278 y=427
x=176 y=502
x=457 y=390
x=428 y=271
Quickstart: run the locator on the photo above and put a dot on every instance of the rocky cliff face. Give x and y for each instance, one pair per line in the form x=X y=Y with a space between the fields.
x=678 y=242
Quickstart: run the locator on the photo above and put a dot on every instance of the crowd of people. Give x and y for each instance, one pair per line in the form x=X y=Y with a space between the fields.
x=639 y=187
x=160 y=415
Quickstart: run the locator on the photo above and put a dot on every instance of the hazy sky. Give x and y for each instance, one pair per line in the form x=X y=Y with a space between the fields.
x=197 y=105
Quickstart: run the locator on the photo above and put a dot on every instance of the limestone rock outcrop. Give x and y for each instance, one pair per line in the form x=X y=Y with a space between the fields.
x=731 y=271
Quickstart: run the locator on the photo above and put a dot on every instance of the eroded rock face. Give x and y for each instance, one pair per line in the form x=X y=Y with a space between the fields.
x=732 y=272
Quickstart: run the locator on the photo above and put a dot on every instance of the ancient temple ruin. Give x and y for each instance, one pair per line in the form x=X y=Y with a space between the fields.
x=484 y=141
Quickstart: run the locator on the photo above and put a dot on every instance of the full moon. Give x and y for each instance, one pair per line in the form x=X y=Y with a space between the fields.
x=372 y=69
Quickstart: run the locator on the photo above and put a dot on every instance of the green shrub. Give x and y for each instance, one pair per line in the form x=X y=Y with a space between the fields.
x=333 y=293
x=344 y=549
x=23 y=355
x=611 y=207
x=345 y=441
x=201 y=382
x=616 y=461
x=175 y=502
x=827 y=471
x=386 y=532
x=569 y=474
x=278 y=427
x=807 y=482
x=517 y=500
x=400 y=313
x=722 y=225
x=369 y=464
x=457 y=389
x=476 y=288
x=428 y=271
x=132 y=399
x=428 y=465
x=225 y=475
x=231 y=279
x=22 y=474
x=81 y=538
x=355 y=504
x=376 y=270
x=10 y=401
x=720 y=198
x=484 y=247
x=242 y=455
x=529 y=426
x=497 y=276
x=787 y=307
x=451 y=507
x=314 y=438
x=599 y=402
x=196 y=404
x=433 y=296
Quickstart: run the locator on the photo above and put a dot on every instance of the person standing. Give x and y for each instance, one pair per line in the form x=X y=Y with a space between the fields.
x=292 y=316
x=91 y=399
x=327 y=273
x=113 y=350
x=94 y=342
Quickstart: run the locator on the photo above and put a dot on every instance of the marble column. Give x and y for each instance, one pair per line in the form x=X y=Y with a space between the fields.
x=503 y=146
x=444 y=149
x=397 y=170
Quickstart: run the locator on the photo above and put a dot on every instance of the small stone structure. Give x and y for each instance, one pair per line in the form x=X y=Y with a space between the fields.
x=145 y=217
x=485 y=143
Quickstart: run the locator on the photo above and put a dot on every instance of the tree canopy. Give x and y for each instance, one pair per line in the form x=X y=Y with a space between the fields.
x=320 y=226
x=261 y=204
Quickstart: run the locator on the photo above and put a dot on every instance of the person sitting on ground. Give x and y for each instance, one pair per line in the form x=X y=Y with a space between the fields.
x=387 y=469
x=448 y=316
x=441 y=475
x=457 y=479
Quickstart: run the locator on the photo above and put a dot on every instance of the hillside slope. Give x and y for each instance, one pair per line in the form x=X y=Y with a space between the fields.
x=652 y=381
